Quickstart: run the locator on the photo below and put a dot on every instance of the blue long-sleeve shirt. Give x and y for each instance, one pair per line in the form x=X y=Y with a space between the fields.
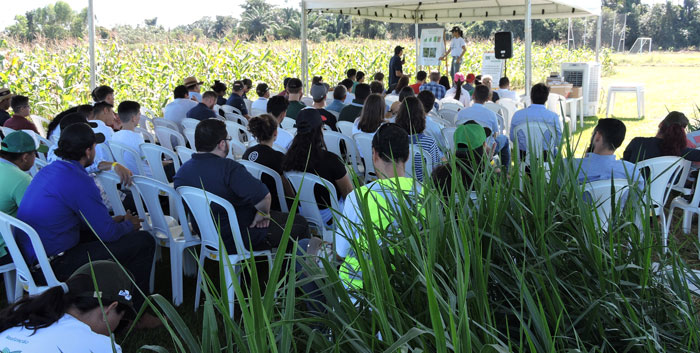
x=54 y=205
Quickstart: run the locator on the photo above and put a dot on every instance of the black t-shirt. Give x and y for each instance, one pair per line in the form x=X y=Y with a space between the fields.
x=4 y=116
x=394 y=65
x=272 y=159
x=328 y=119
x=228 y=179
x=329 y=167
x=643 y=148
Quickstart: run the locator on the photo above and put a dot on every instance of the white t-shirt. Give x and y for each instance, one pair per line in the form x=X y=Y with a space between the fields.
x=284 y=138
x=456 y=45
x=259 y=104
x=134 y=140
x=349 y=98
x=506 y=93
x=464 y=98
x=68 y=334
x=176 y=111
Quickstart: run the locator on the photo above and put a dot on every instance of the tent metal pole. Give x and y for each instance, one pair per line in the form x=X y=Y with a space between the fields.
x=91 y=34
x=528 y=46
x=417 y=45
x=304 y=49
x=597 y=37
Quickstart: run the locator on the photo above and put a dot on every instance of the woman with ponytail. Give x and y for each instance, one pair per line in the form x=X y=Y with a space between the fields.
x=457 y=92
x=78 y=316
x=670 y=140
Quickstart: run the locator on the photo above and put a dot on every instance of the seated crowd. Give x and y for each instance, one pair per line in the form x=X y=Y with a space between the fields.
x=69 y=209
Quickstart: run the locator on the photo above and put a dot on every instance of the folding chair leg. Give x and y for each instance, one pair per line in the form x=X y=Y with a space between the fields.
x=198 y=288
x=176 y=275
x=687 y=220
x=10 y=278
x=664 y=231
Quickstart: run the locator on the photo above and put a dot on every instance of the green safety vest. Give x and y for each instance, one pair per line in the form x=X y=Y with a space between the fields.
x=378 y=206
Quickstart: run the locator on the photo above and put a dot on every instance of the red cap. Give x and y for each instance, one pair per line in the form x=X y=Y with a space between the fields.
x=470 y=78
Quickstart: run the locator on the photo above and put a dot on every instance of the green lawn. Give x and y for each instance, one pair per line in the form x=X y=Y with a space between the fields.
x=671 y=82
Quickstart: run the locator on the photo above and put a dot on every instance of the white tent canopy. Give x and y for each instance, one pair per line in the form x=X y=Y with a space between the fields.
x=440 y=11
x=432 y=11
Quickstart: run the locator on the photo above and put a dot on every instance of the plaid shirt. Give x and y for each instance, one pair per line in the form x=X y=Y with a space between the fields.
x=437 y=89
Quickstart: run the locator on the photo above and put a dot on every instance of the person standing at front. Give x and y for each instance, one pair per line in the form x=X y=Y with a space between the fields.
x=457 y=49
x=396 y=66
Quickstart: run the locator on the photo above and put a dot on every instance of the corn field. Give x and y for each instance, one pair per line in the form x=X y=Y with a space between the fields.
x=56 y=77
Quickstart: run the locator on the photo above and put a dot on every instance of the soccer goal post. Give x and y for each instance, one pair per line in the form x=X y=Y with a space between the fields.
x=639 y=45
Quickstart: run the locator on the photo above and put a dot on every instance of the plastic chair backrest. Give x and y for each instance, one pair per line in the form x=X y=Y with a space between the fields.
x=38 y=164
x=600 y=194
x=303 y=184
x=120 y=151
x=661 y=172
x=146 y=123
x=238 y=132
x=39 y=124
x=24 y=274
x=345 y=128
x=199 y=203
x=308 y=101
x=449 y=134
x=333 y=140
x=228 y=109
x=109 y=181
x=535 y=136
x=150 y=190
x=555 y=103
x=679 y=182
x=236 y=118
x=169 y=138
x=147 y=135
x=189 y=123
x=236 y=149
x=189 y=135
x=391 y=99
x=363 y=142
x=6 y=130
x=106 y=151
x=417 y=154
x=448 y=115
x=279 y=148
x=257 y=170
x=154 y=156
x=451 y=106
x=150 y=113
x=162 y=122
x=184 y=153
x=498 y=109
x=288 y=123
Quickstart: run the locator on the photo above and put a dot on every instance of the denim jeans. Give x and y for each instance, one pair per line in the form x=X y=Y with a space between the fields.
x=503 y=149
x=455 y=67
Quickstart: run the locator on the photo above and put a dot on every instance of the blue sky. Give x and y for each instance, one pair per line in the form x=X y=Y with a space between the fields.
x=170 y=13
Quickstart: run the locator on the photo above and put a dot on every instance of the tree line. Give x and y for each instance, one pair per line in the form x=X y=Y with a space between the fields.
x=671 y=26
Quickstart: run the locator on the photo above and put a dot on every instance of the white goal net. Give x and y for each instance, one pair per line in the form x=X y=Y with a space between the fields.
x=639 y=46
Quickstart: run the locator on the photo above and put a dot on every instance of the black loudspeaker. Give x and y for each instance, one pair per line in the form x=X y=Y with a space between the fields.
x=504 y=45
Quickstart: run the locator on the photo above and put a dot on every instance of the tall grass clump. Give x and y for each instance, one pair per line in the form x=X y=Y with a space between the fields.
x=523 y=267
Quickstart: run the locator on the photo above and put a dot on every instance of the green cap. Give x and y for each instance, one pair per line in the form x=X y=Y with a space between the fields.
x=113 y=284
x=471 y=136
x=21 y=142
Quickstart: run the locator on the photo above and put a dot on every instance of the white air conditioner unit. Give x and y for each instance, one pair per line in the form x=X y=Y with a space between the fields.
x=586 y=76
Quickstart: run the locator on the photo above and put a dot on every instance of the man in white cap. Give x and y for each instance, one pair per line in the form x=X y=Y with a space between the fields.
x=5 y=96
x=194 y=87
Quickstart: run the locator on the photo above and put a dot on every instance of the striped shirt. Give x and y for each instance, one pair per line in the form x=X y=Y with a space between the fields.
x=429 y=146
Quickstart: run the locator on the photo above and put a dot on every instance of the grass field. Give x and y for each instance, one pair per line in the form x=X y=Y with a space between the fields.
x=671 y=82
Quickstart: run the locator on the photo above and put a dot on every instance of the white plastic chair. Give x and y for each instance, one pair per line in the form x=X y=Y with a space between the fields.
x=120 y=151
x=39 y=123
x=288 y=123
x=147 y=135
x=257 y=170
x=333 y=141
x=146 y=123
x=148 y=112
x=498 y=109
x=248 y=104
x=162 y=122
x=363 y=142
x=228 y=109
x=189 y=136
x=257 y=112
x=390 y=99
x=536 y=138
x=199 y=203
x=279 y=148
x=38 y=164
x=345 y=127
x=184 y=153
x=6 y=130
x=451 y=106
x=24 y=279
x=239 y=132
x=448 y=115
x=449 y=134
x=303 y=184
x=189 y=123
x=308 y=101
x=154 y=156
x=661 y=173
x=601 y=196
x=689 y=208
x=170 y=232
x=236 y=149
x=417 y=154
x=9 y=276
x=236 y=118
x=169 y=138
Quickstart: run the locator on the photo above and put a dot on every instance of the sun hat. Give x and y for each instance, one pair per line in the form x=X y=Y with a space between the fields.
x=191 y=81
x=469 y=137
x=22 y=142
x=307 y=120
x=5 y=94
x=459 y=77
x=470 y=78
x=105 y=280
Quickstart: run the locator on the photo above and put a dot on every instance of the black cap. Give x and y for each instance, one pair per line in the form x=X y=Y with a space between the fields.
x=294 y=83
x=261 y=89
x=308 y=119
x=113 y=284
x=78 y=137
